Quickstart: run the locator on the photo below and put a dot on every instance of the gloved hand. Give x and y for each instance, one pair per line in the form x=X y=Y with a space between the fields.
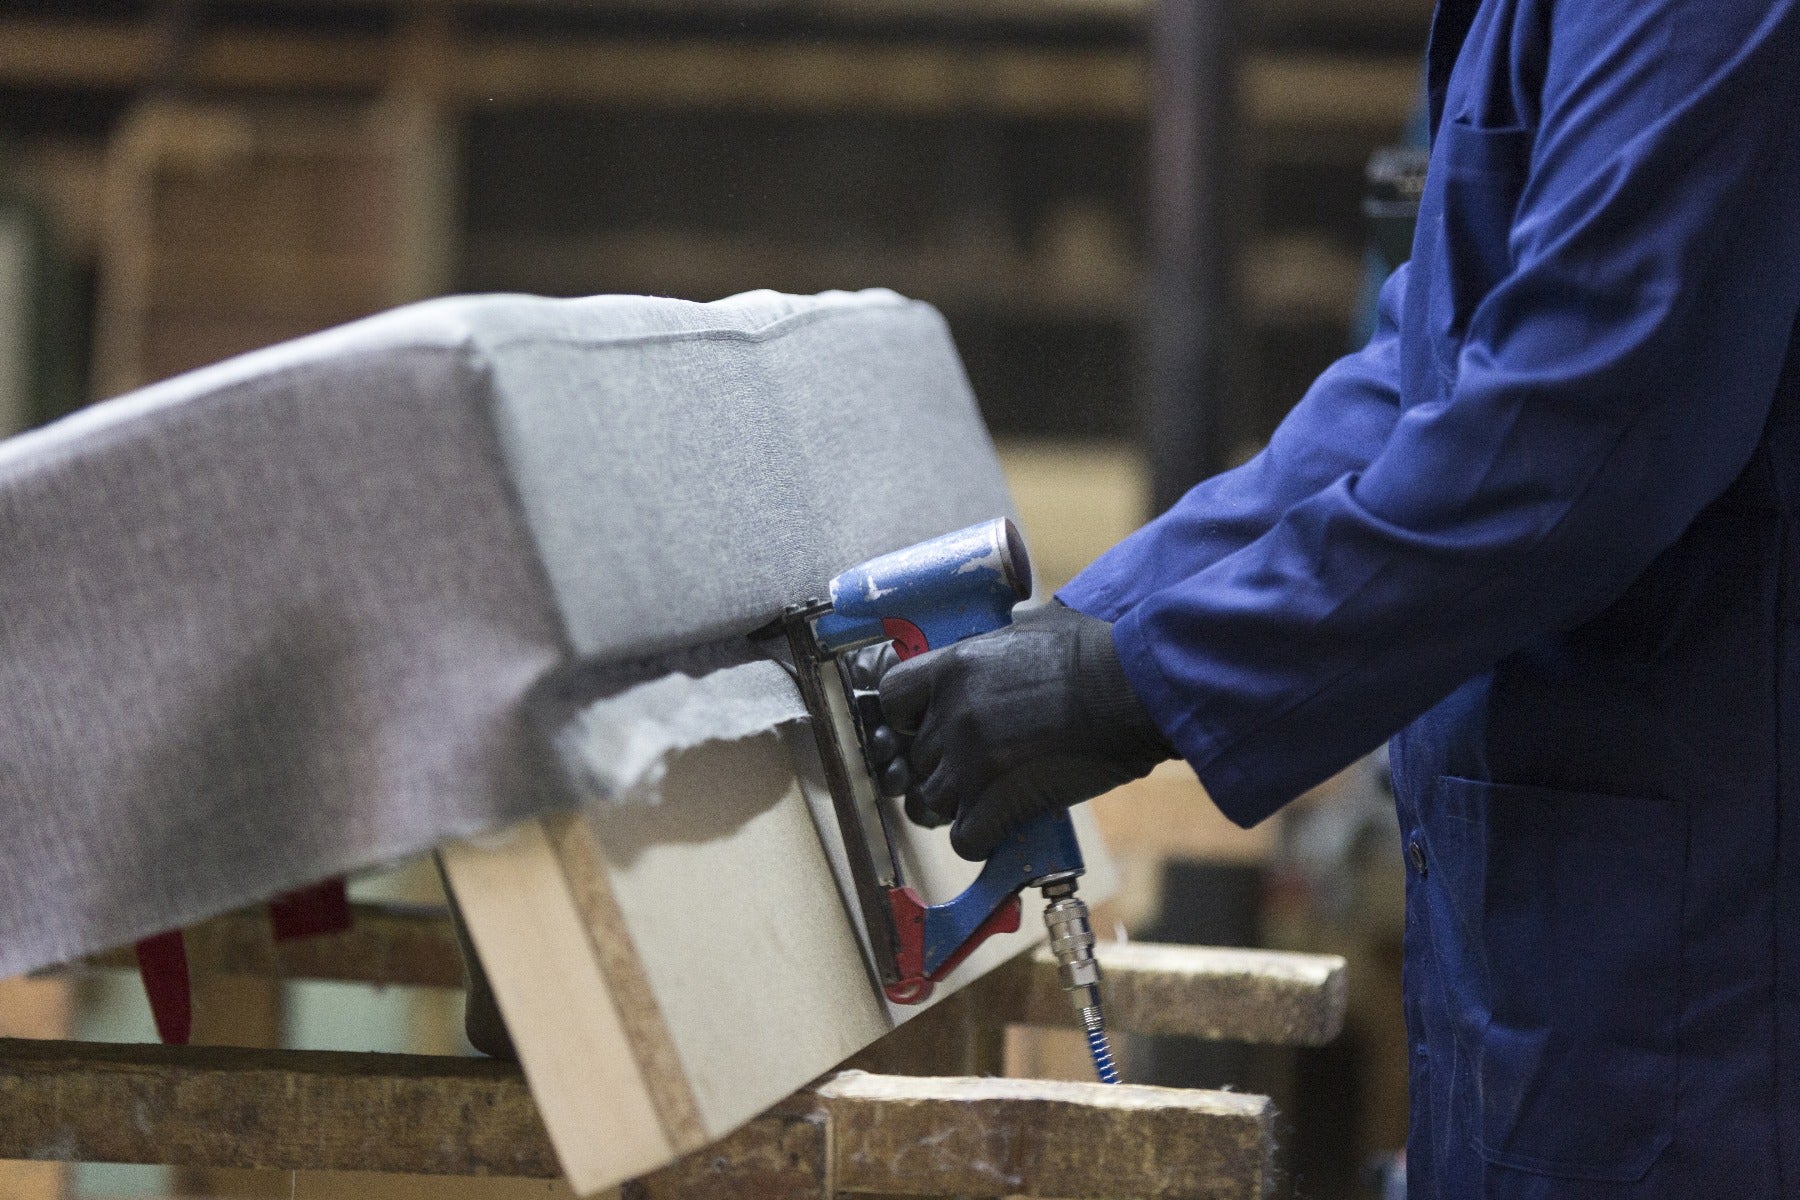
x=1017 y=723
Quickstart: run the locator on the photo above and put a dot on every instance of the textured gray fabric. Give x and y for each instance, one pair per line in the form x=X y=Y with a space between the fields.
x=327 y=605
x=776 y=452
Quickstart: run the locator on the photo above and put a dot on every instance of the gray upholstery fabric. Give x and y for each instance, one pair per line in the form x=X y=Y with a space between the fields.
x=330 y=604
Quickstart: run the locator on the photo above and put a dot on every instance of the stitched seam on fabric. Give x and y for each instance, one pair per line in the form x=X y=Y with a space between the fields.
x=494 y=449
x=1106 y=596
x=468 y=347
x=648 y=1035
x=761 y=333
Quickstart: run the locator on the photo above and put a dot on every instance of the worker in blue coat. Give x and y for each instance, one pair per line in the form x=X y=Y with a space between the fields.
x=1544 y=530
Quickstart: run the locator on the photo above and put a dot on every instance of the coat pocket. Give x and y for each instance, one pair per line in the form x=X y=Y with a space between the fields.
x=1482 y=179
x=1580 y=899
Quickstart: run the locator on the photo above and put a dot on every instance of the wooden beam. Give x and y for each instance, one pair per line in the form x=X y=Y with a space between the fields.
x=87 y=54
x=34 y=1009
x=1292 y=280
x=1050 y=13
x=277 y=60
x=313 y=1110
x=1264 y=996
x=268 y=1109
x=487 y=70
x=408 y=945
x=1026 y=1137
x=782 y=1155
x=992 y=277
x=937 y=78
x=1269 y=997
x=903 y=1135
x=1332 y=91
x=1310 y=14
x=810 y=77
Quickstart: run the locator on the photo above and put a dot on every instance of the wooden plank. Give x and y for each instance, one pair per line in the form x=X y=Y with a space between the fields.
x=558 y=1004
x=1337 y=13
x=721 y=904
x=712 y=929
x=894 y=1135
x=922 y=78
x=408 y=945
x=267 y=1109
x=34 y=1008
x=584 y=868
x=61 y=53
x=373 y=1185
x=785 y=1154
x=1030 y=12
x=313 y=1110
x=1285 y=279
x=1331 y=90
x=239 y=1011
x=493 y=70
x=1262 y=996
x=274 y=60
x=992 y=276
x=1266 y=996
x=1020 y=1137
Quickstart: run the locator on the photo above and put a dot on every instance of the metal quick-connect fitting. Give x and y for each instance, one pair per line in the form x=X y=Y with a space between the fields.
x=1072 y=942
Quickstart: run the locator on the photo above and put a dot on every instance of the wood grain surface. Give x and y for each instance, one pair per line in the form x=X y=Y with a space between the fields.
x=1266 y=996
x=855 y=1132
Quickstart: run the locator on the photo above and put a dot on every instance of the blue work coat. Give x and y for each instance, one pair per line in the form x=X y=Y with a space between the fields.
x=1547 y=527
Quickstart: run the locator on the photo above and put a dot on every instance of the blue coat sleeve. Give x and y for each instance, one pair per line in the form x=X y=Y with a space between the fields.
x=1614 y=379
x=1338 y=427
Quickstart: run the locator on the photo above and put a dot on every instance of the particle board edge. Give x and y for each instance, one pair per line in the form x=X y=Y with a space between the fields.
x=526 y=928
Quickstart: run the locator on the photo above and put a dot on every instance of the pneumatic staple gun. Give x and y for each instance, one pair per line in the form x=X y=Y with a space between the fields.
x=920 y=598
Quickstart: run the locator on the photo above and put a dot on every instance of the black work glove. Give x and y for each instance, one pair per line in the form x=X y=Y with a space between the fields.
x=1016 y=723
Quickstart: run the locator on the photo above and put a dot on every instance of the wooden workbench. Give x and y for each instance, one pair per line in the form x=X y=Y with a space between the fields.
x=852 y=1132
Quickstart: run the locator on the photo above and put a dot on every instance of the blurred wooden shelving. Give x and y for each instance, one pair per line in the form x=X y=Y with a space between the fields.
x=1019 y=123
x=1309 y=90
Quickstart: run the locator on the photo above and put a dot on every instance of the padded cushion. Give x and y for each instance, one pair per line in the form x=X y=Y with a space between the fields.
x=317 y=607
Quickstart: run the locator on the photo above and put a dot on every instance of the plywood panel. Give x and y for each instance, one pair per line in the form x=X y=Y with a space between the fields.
x=583 y=1069
x=701 y=950
x=719 y=889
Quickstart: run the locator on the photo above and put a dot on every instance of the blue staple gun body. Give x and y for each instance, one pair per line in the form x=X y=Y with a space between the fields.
x=922 y=598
